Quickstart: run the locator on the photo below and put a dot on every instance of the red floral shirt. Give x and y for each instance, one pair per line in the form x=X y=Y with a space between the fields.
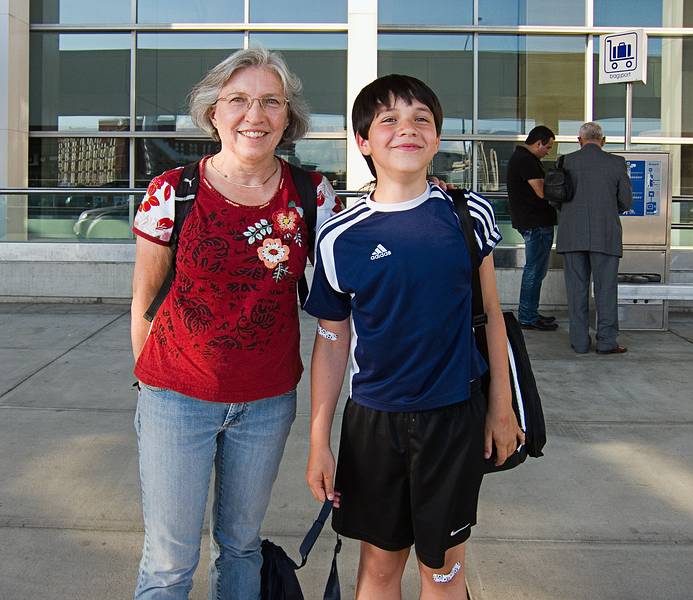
x=228 y=330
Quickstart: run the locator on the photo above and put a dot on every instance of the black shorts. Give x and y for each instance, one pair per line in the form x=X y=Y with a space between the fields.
x=411 y=477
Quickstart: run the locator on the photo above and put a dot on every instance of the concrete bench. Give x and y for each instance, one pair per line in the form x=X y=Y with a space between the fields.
x=655 y=291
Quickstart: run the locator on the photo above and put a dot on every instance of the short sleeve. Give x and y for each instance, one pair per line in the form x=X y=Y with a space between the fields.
x=324 y=300
x=154 y=217
x=329 y=204
x=486 y=229
x=531 y=168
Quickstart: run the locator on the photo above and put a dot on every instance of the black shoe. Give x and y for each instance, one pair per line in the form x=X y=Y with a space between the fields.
x=546 y=319
x=616 y=350
x=540 y=325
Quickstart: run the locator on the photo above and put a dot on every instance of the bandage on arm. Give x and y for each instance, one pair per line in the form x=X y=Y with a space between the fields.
x=327 y=334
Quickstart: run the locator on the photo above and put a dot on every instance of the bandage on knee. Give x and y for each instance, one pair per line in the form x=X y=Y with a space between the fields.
x=447 y=577
x=328 y=335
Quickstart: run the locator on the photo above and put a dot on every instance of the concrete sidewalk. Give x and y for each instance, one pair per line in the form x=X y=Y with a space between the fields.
x=606 y=514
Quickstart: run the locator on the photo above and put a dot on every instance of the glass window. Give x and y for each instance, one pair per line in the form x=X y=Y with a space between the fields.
x=78 y=162
x=444 y=62
x=319 y=60
x=190 y=11
x=629 y=13
x=153 y=156
x=76 y=12
x=531 y=80
x=79 y=82
x=168 y=66
x=326 y=156
x=453 y=163
x=659 y=107
x=441 y=12
x=531 y=12
x=298 y=11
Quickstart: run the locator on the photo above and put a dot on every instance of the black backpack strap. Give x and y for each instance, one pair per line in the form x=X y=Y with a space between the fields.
x=309 y=203
x=186 y=190
x=459 y=198
x=332 y=591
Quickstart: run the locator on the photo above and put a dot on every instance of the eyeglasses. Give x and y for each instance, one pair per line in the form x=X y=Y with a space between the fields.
x=238 y=102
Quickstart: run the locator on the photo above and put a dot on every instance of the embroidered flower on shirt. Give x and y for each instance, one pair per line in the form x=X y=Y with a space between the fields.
x=286 y=221
x=272 y=252
x=258 y=231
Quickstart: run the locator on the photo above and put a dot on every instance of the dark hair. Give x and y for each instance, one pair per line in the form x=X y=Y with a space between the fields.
x=541 y=133
x=380 y=92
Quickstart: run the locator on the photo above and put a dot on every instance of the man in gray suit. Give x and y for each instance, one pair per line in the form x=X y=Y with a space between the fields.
x=589 y=238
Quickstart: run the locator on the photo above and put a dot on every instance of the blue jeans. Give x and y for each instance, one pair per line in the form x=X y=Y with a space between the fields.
x=538 y=242
x=180 y=439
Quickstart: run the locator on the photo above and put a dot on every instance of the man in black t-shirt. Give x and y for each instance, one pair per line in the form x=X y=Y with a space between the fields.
x=534 y=218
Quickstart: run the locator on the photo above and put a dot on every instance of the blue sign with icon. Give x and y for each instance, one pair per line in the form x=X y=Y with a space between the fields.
x=646 y=180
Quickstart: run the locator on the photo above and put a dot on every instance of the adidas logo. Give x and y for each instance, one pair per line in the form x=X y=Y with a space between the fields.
x=380 y=252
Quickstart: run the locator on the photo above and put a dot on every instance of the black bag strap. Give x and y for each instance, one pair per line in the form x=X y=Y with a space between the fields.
x=332 y=590
x=459 y=198
x=186 y=190
x=309 y=203
x=559 y=162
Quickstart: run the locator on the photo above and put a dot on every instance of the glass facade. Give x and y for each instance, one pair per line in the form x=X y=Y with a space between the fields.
x=109 y=83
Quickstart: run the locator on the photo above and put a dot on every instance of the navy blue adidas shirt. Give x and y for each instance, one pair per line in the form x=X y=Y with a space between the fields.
x=403 y=273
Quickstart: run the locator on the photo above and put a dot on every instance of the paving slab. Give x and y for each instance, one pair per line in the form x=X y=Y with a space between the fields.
x=528 y=570
x=597 y=483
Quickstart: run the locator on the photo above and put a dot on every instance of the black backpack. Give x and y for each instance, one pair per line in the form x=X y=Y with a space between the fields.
x=186 y=191
x=558 y=188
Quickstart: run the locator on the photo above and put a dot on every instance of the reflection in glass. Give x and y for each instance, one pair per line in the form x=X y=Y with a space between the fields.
x=78 y=12
x=319 y=60
x=530 y=80
x=78 y=162
x=441 y=12
x=444 y=62
x=168 y=65
x=453 y=164
x=326 y=156
x=79 y=82
x=630 y=13
x=153 y=156
x=190 y=11
x=298 y=11
x=531 y=12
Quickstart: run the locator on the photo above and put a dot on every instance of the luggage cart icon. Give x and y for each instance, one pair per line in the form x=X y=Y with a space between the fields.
x=621 y=56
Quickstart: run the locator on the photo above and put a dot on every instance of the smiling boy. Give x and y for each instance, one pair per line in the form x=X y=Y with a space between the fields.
x=392 y=289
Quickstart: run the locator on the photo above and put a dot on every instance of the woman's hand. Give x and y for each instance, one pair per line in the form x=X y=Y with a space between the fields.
x=501 y=430
x=320 y=474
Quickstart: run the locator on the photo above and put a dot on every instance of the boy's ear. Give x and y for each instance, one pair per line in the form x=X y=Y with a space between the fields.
x=363 y=145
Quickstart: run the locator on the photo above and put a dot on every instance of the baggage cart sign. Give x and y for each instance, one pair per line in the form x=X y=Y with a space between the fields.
x=623 y=57
x=646 y=181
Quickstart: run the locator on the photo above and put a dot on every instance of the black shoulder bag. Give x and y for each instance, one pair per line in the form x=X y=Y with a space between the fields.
x=186 y=191
x=525 y=395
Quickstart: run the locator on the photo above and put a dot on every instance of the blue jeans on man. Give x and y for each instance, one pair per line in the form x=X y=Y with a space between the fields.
x=538 y=242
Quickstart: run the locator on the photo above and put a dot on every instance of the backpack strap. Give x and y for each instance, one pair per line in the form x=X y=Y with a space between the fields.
x=306 y=192
x=186 y=190
x=459 y=198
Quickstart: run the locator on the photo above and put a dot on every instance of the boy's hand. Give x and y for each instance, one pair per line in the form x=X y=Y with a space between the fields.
x=502 y=432
x=320 y=475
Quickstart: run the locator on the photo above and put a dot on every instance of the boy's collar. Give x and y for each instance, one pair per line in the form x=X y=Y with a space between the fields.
x=400 y=206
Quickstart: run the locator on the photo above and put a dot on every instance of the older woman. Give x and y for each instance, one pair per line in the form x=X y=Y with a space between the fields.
x=219 y=365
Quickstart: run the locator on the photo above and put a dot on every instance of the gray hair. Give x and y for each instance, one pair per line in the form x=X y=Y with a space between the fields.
x=205 y=93
x=591 y=132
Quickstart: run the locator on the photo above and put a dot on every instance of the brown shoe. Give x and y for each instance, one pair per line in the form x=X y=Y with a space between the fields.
x=616 y=350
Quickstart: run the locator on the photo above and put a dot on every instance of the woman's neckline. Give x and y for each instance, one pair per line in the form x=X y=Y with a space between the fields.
x=228 y=201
